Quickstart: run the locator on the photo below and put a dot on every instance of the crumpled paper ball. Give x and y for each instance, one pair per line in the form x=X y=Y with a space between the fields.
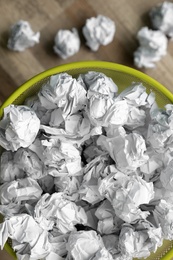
x=84 y=244
x=67 y=43
x=9 y=170
x=22 y=37
x=58 y=206
x=19 y=127
x=127 y=150
x=161 y=17
x=126 y=194
x=163 y=215
x=98 y=31
x=20 y=190
x=139 y=239
x=63 y=91
x=153 y=45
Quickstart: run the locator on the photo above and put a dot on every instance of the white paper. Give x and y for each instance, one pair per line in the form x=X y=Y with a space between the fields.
x=84 y=244
x=101 y=108
x=42 y=113
x=103 y=254
x=135 y=119
x=161 y=17
x=127 y=150
x=126 y=194
x=140 y=239
x=69 y=185
x=152 y=46
x=160 y=129
x=91 y=184
x=91 y=151
x=58 y=241
x=166 y=176
x=152 y=39
x=18 y=128
x=98 y=31
x=19 y=190
x=46 y=183
x=74 y=126
x=92 y=172
x=111 y=244
x=154 y=164
x=22 y=37
x=53 y=243
x=33 y=235
x=63 y=91
x=63 y=157
x=67 y=43
x=163 y=215
x=97 y=82
x=66 y=213
x=161 y=193
x=53 y=256
x=9 y=171
x=104 y=111
x=108 y=222
x=38 y=148
x=29 y=162
x=135 y=95
x=11 y=209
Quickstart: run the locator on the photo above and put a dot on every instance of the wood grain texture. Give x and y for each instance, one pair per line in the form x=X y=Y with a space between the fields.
x=50 y=16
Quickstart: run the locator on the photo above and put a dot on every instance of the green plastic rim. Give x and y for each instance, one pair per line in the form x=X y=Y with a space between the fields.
x=86 y=64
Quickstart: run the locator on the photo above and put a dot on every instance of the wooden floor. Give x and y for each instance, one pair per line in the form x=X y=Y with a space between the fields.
x=50 y=16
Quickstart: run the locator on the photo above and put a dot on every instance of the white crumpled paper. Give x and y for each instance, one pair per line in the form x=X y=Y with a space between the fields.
x=161 y=193
x=135 y=95
x=153 y=45
x=58 y=242
x=127 y=150
x=97 y=82
x=69 y=185
x=163 y=215
x=166 y=176
x=84 y=245
x=63 y=91
x=22 y=37
x=67 y=43
x=18 y=127
x=160 y=133
x=54 y=244
x=93 y=181
x=111 y=244
x=42 y=113
x=98 y=31
x=103 y=254
x=104 y=111
x=92 y=172
x=126 y=194
x=59 y=157
x=9 y=171
x=19 y=190
x=63 y=157
x=75 y=126
x=54 y=209
x=29 y=162
x=161 y=17
x=33 y=241
x=140 y=239
x=47 y=183
x=108 y=222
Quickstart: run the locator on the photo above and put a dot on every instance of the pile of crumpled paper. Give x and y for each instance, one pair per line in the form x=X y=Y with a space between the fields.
x=86 y=171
